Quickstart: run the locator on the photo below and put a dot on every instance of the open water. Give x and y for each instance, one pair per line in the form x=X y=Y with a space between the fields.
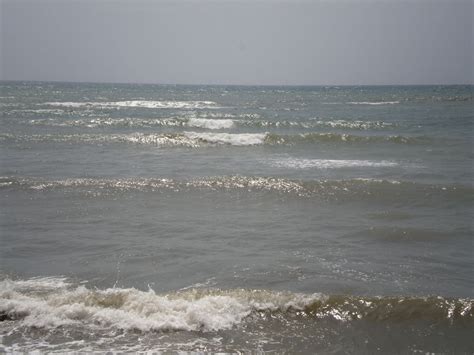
x=225 y=219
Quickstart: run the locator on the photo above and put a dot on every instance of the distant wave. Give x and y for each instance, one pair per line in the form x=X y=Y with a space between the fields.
x=355 y=124
x=50 y=303
x=202 y=139
x=296 y=163
x=342 y=138
x=414 y=98
x=138 y=104
x=161 y=140
x=216 y=122
x=441 y=98
x=138 y=122
x=40 y=111
x=351 y=189
x=373 y=102
x=317 y=122
x=185 y=139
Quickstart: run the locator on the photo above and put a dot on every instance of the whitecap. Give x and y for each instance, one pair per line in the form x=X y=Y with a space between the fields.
x=129 y=308
x=139 y=104
x=210 y=123
x=373 y=102
x=237 y=139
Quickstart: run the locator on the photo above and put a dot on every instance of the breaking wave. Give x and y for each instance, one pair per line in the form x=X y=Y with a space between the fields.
x=193 y=310
x=185 y=139
x=210 y=123
x=95 y=122
x=199 y=139
x=223 y=121
x=54 y=302
x=376 y=103
x=137 y=104
x=238 y=139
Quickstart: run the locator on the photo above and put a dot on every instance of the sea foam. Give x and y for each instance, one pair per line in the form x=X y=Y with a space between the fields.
x=199 y=139
x=41 y=306
x=237 y=139
x=375 y=103
x=210 y=123
x=138 y=104
x=37 y=303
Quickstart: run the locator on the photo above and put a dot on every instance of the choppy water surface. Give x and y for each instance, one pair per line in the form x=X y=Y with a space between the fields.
x=212 y=218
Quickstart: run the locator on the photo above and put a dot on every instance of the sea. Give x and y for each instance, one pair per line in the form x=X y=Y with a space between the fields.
x=236 y=219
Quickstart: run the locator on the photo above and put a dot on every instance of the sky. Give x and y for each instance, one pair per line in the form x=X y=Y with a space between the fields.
x=262 y=42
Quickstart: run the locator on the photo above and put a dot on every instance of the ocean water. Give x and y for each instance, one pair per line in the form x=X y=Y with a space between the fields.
x=226 y=219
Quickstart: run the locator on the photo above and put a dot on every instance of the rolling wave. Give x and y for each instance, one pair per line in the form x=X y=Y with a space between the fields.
x=351 y=189
x=200 y=139
x=441 y=98
x=369 y=103
x=162 y=140
x=223 y=121
x=374 y=103
x=137 y=104
x=295 y=163
x=318 y=123
x=54 y=302
x=343 y=138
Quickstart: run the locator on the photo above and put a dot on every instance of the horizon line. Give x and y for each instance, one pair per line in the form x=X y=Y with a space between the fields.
x=210 y=84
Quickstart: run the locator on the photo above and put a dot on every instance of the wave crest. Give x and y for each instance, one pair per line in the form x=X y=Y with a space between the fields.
x=204 y=309
x=216 y=121
x=351 y=189
x=295 y=163
x=373 y=103
x=193 y=310
x=210 y=123
x=237 y=139
x=199 y=139
x=137 y=104
x=315 y=137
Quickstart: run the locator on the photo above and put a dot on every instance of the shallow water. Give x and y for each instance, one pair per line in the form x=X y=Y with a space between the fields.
x=212 y=218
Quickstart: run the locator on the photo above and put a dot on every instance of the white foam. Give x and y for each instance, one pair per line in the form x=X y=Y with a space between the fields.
x=139 y=103
x=38 y=284
x=379 y=181
x=154 y=139
x=238 y=139
x=295 y=163
x=373 y=102
x=226 y=115
x=210 y=123
x=193 y=310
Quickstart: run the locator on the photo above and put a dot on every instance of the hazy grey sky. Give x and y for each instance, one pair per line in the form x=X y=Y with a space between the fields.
x=238 y=42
